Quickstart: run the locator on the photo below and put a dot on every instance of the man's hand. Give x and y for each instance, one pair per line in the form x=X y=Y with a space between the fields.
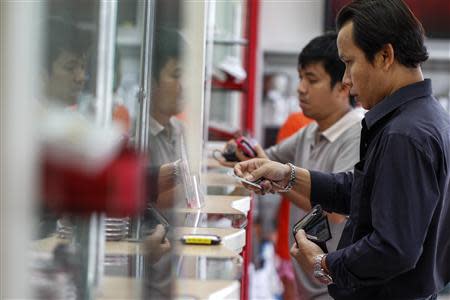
x=275 y=175
x=167 y=178
x=240 y=155
x=259 y=153
x=155 y=246
x=305 y=252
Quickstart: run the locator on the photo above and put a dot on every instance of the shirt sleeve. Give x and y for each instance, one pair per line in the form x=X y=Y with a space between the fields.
x=332 y=191
x=284 y=152
x=403 y=198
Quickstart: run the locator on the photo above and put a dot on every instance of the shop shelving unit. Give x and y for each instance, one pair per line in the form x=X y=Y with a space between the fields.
x=231 y=103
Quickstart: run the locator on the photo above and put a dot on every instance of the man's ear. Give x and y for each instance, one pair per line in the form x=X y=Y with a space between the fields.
x=385 y=57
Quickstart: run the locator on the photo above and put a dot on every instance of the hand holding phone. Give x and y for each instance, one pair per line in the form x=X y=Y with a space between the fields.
x=252 y=183
x=316 y=226
x=152 y=218
x=244 y=145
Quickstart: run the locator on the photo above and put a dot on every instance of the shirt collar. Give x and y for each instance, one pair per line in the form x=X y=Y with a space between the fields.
x=348 y=120
x=398 y=98
x=155 y=127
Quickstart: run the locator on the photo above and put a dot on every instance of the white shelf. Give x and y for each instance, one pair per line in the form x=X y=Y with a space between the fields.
x=129 y=36
x=229 y=42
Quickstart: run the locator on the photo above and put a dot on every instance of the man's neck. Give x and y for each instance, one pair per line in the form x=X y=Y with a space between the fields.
x=333 y=118
x=161 y=118
x=406 y=76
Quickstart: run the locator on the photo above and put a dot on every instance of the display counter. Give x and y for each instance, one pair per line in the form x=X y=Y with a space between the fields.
x=233 y=239
x=211 y=289
x=222 y=204
x=202 y=271
x=131 y=288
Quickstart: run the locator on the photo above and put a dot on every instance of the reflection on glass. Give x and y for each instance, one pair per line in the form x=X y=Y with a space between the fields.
x=165 y=151
x=210 y=220
x=70 y=237
x=66 y=78
x=65 y=73
x=208 y=268
x=166 y=129
x=66 y=81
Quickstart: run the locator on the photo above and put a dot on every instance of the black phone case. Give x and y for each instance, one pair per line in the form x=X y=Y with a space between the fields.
x=315 y=223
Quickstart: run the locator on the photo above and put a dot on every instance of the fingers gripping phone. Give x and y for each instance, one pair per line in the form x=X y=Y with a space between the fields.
x=246 y=146
x=252 y=183
x=316 y=226
x=243 y=144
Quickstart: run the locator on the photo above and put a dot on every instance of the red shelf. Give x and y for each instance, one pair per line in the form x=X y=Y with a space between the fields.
x=228 y=85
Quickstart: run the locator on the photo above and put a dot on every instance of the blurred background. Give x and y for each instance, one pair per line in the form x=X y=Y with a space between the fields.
x=110 y=111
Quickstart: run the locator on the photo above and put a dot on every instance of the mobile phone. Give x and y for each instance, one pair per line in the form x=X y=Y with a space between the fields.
x=246 y=146
x=200 y=239
x=252 y=183
x=242 y=143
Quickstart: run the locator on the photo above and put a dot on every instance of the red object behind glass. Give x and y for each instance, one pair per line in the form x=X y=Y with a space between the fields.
x=433 y=14
x=117 y=189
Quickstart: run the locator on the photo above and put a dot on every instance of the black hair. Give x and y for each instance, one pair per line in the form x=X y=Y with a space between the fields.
x=323 y=49
x=380 y=22
x=168 y=44
x=65 y=36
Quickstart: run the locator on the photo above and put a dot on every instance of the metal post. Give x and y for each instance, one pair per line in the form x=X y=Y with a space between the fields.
x=143 y=122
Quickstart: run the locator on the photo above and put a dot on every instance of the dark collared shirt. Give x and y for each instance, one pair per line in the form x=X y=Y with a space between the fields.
x=396 y=244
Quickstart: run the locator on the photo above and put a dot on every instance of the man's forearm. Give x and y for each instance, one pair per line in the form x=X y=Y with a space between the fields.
x=331 y=190
x=298 y=200
x=302 y=183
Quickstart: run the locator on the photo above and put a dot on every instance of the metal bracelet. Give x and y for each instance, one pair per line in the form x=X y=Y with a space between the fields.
x=177 y=171
x=290 y=184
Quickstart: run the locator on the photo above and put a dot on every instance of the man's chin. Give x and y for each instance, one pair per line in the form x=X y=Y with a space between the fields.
x=307 y=113
x=365 y=105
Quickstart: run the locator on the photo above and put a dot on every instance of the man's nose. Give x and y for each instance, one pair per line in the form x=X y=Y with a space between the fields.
x=80 y=75
x=346 y=80
x=301 y=88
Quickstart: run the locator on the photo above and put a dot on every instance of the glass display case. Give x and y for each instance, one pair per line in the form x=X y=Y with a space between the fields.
x=111 y=86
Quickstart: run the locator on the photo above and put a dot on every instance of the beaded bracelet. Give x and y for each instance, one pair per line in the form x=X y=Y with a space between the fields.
x=290 y=184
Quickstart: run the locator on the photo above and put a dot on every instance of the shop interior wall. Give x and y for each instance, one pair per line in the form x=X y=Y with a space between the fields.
x=287 y=26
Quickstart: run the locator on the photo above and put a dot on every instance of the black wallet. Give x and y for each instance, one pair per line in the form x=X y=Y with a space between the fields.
x=316 y=226
x=153 y=217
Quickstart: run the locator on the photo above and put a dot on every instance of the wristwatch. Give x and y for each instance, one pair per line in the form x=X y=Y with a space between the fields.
x=319 y=273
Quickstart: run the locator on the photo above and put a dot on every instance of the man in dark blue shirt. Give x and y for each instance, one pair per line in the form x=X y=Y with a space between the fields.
x=396 y=243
